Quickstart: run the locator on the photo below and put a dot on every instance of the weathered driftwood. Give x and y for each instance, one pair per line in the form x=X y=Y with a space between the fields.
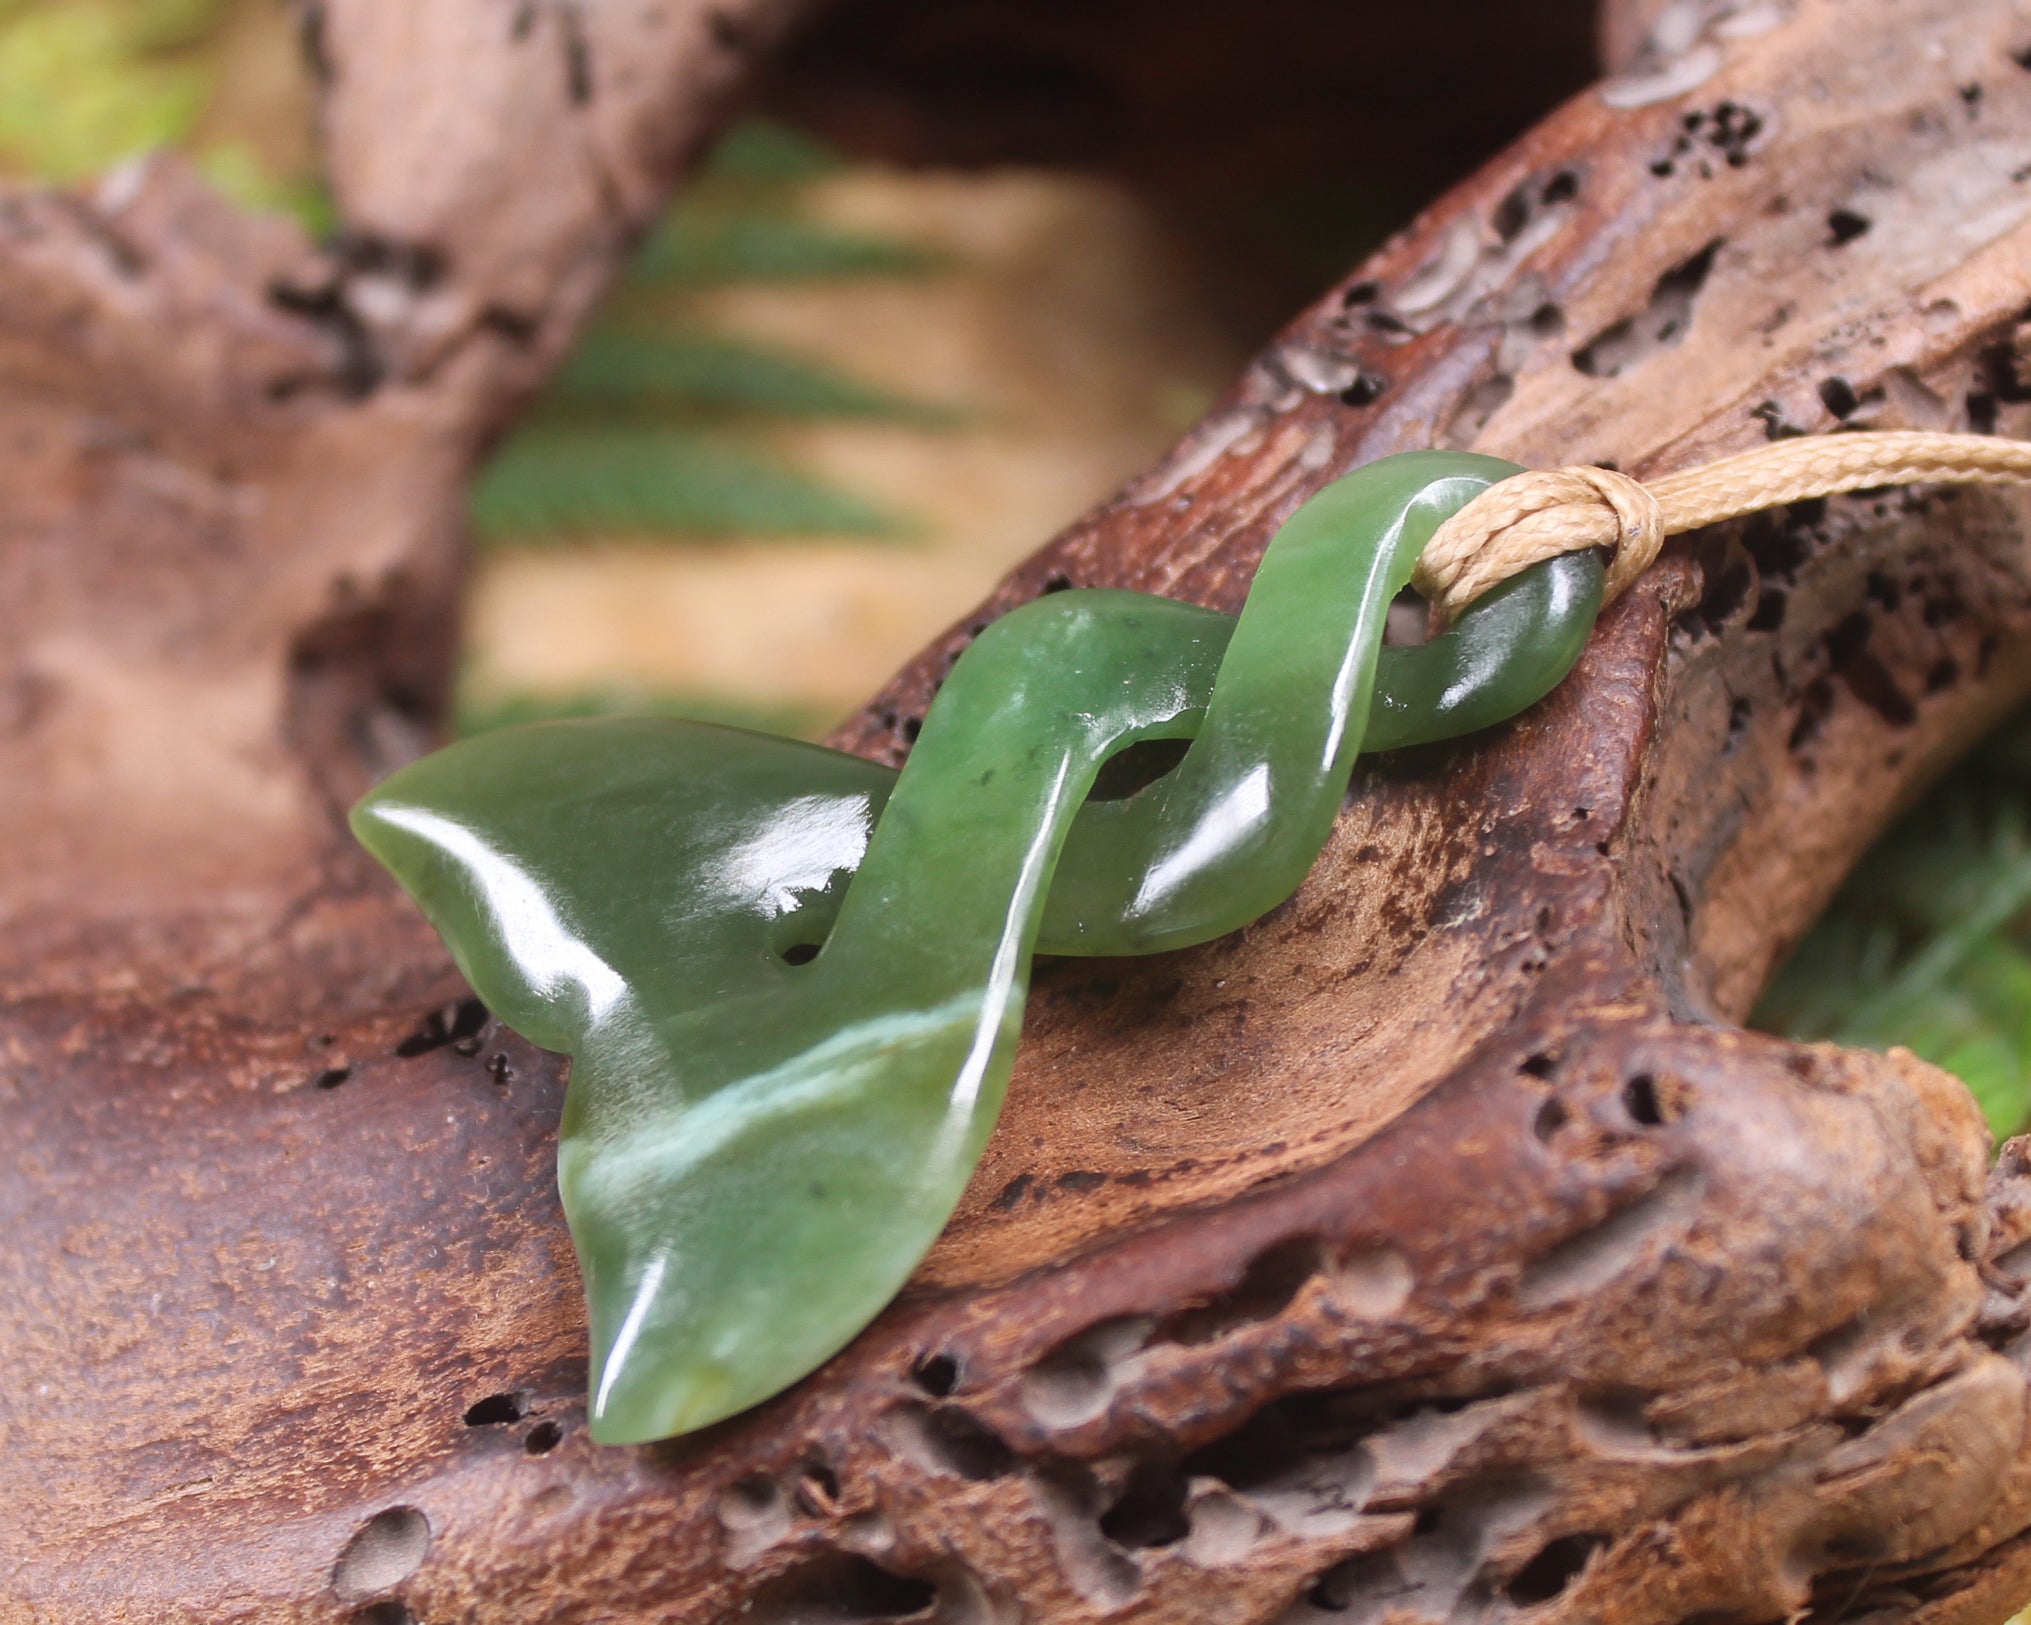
x=1435 y=1248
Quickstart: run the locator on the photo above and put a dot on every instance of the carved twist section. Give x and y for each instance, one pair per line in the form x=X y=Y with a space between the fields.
x=793 y=983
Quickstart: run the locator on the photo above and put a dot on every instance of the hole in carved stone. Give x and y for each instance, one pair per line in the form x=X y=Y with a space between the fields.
x=800 y=953
x=384 y=1551
x=332 y=1076
x=1540 y=1065
x=394 y=1611
x=496 y=1408
x=1136 y=767
x=1408 y=623
x=1556 y=1566
x=1150 y=1510
x=1845 y=225
x=543 y=1438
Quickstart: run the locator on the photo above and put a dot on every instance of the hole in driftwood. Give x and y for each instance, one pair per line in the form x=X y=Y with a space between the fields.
x=1551 y=1117
x=1073 y=1383
x=384 y=1551
x=842 y=1588
x=1273 y=1278
x=1661 y=325
x=1150 y=1510
x=1588 y=1261
x=496 y=1409
x=1365 y=390
x=1641 y=1101
x=947 y=1439
x=936 y=1374
x=818 y=1490
x=1556 y=1566
x=455 y=1024
x=543 y=1438
x=1372 y=1281
x=755 y=1514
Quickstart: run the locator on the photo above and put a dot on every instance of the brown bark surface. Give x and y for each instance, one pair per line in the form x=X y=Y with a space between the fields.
x=1435 y=1248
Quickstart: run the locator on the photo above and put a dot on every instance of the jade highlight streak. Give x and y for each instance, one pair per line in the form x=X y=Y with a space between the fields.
x=761 y=1141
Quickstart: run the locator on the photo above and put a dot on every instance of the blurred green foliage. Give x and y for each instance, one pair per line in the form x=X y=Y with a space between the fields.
x=658 y=427
x=626 y=368
x=1929 y=943
x=558 y=481
x=657 y=424
x=86 y=83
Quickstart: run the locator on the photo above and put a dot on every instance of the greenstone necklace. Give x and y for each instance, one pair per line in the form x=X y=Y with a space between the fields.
x=761 y=1141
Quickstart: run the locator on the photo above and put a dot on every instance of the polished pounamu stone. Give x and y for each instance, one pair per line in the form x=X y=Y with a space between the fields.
x=792 y=981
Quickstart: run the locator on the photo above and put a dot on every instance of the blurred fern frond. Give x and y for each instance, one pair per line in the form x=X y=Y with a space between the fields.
x=710 y=244
x=649 y=426
x=1929 y=943
x=558 y=482
x=627 y=370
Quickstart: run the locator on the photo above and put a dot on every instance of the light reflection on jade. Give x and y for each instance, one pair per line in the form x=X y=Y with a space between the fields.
x=759 y=1142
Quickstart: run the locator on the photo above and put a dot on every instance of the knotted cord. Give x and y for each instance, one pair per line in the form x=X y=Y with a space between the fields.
x=1539 y=515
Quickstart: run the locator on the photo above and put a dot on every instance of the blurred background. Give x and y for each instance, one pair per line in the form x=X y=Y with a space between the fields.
x=858 y=371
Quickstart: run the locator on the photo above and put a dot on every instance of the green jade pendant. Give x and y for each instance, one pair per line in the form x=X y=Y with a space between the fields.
x=760 y=1141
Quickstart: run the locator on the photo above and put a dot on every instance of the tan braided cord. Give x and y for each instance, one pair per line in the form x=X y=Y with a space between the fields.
x=1535 y=516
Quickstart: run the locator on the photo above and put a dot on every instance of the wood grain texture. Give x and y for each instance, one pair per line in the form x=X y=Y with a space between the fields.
x=1434 y=1248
